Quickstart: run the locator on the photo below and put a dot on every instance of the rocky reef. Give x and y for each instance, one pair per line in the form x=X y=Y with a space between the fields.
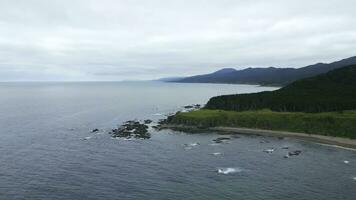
x=132 y=129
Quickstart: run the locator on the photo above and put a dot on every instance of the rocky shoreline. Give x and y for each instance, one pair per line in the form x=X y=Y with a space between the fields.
x=328 y=140
x=135 y=129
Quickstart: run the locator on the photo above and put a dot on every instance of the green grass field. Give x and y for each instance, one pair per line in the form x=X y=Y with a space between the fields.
x=340 y=124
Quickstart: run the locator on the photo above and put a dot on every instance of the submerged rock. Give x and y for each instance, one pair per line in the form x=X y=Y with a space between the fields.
x=294 y=153
x=87 y=138
x=236 y=136
x=131 y=129
x=190 y=145
x=221 y=139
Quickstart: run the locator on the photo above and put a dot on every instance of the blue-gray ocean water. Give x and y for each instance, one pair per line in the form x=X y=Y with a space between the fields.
x=47 y=150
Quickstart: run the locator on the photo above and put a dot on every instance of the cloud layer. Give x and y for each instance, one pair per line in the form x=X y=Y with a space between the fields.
x=137 y=39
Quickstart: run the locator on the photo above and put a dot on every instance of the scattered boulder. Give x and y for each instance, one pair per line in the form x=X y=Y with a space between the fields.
x=95 y=130
x=147 y=121
x=197 y=106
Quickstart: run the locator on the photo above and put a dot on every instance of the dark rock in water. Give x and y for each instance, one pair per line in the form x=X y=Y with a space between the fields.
x=131 y=129
x=294 y=153
x=280 y=138
x=147 y=121
x=221 y=139
x=235 y=136
x=194 y=106
x=95 y=130
x=285 y=147
x=156 y=127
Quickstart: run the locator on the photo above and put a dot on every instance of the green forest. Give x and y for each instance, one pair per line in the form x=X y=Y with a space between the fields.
x=326 y=123
x=332 y=91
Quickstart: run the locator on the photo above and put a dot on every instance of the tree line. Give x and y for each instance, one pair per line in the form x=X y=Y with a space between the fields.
x=333 y=91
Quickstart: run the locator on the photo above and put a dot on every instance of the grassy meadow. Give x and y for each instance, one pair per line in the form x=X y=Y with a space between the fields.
x=340 y=124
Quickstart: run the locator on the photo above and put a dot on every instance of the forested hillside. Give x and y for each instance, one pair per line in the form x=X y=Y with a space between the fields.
x=332 y=91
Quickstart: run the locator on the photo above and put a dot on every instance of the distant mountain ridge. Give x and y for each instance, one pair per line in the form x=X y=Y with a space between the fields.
x=266 y=76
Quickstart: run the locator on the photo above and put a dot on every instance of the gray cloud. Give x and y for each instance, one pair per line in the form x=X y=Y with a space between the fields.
x=120 y=39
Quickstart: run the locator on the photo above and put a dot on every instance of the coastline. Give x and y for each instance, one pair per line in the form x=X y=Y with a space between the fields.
x=328 y=140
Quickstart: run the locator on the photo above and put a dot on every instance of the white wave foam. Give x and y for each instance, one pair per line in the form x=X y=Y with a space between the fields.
x=216 y=154
x=269 y=150
x=346 y=161
x=192 y=144
x=157 y=114
x=228 y=170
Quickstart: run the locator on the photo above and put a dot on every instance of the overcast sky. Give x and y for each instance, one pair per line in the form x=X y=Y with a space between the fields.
x=146 y=39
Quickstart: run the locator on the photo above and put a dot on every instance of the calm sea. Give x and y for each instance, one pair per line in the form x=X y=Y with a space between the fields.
x=47 y=150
